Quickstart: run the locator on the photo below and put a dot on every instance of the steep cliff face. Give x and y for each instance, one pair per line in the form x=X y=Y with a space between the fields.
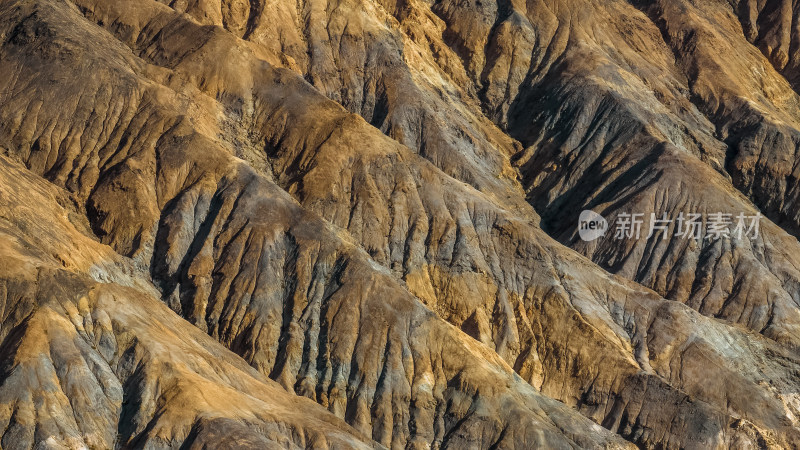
x=211 y=210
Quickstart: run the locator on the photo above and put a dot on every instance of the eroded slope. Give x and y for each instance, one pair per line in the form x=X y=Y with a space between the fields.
x=144 y=138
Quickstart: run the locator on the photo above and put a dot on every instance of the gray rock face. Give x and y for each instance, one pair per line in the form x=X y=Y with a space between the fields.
x=211 y=210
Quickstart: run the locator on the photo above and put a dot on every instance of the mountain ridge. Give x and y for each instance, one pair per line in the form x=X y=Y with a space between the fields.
x=379 y=249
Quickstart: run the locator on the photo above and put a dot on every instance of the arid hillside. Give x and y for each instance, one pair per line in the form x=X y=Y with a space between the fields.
x=355 y=224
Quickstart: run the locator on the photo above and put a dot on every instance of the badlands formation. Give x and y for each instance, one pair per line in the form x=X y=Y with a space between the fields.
x=353 y=224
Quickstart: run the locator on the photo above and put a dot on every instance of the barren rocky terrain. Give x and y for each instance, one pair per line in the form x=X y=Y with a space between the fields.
x=354 y=224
